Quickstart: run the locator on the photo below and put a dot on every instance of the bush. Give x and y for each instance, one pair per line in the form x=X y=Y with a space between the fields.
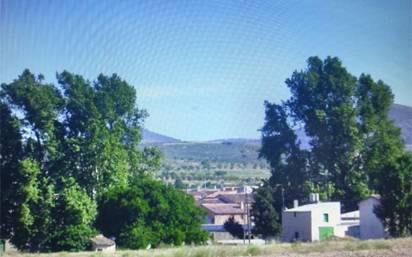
x=147 y=212
x=234 y=228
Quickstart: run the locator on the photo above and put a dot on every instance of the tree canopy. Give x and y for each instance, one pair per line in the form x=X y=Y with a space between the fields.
x=354 y=147
x=148 y=213
x=62 y=148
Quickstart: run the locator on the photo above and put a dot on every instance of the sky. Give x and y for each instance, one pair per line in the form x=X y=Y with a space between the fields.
x=202 y=69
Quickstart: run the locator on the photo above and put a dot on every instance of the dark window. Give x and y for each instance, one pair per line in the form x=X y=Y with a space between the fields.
x=294 y=214
x=296 y=235
x=326 y=217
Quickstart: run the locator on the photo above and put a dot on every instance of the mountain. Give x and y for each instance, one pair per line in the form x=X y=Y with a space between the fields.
x=230 y=141
x=150 y=137
x=402 y=117
x=400 y=114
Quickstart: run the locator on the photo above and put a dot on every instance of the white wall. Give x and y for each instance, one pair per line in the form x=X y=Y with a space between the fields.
x=370 y=226
x=291 y=224
x=333 y=210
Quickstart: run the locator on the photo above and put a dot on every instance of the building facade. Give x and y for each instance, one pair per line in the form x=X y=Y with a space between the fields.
x=371 y=226
x=311 y=222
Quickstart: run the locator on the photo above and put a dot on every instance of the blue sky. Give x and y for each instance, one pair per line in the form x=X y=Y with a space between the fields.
x=202 y=69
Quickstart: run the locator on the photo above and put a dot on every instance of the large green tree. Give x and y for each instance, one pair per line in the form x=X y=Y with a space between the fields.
x=346 y=120
x=148 y=212
x=10 y=156
x=85 y=132
x=265 y=217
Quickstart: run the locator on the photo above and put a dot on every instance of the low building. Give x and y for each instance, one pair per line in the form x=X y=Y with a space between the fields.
x=219 y=213
x=311 y=222
x=349 y=225
x=371 y=226
x=101 y=243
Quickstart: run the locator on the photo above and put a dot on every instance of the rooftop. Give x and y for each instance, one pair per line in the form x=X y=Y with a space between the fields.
x=223 y=208
x=101 y=240
x=312 y=206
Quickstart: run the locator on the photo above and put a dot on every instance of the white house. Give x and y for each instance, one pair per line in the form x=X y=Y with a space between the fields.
x=370 y=225
x=317 y=221
x=311 y=222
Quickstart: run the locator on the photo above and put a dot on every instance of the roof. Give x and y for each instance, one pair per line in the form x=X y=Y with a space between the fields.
x=219 y=193
x=236 y=198
x=101 y=240
x=375 y=196
x=311 y=207
x=350 y=215
x=223 y=208
x=210 y=200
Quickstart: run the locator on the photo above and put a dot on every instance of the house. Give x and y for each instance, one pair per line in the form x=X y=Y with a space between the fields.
x=349 y=225
x=101 y=243
x=219 y=213
x=371 y=226
x=317 y=221
x=310 y=222
x=221 y=205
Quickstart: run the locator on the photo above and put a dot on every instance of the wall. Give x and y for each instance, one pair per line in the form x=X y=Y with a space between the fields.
x=221 y=219
x=104 y=249
x=370 y=225
x=331 y=208
x=291 y=224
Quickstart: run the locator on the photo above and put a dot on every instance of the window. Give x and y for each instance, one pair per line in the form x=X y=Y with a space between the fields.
x=294 y=214
x=326 y=217
x=296 y=235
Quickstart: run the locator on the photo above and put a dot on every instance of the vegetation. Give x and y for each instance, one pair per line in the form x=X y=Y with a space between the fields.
x=351 y=248
x=355 y=149
x=63 y=149
x=234 y=228
x=147 y=213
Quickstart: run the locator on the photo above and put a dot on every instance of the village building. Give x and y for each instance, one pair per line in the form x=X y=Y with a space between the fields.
x=318 y=221
x=221 y=205
x=219 y=213
x=101 y=243
x=371 y=226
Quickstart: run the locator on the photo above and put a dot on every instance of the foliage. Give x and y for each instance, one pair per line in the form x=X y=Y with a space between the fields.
x=179 y=183
x=346 y=120
x=234 y=228
x=62 y=147
x=147 y=212
x=10 y=156
x=265 y=216
x=74 y=214
x=395 y=209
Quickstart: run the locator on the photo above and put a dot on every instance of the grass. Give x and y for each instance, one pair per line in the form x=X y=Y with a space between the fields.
x=352 y=246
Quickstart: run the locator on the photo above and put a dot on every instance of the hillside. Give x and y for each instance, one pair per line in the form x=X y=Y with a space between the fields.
x=150 y=137
x=243 y=149
x=402 y=116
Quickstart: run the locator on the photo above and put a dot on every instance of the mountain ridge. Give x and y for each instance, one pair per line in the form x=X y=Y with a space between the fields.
x=400 y=114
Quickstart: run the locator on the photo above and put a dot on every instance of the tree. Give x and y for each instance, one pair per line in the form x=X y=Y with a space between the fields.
x=147 y=212
x=85 y=132
x=10 y=156
x=346 y=120
x=234 y=228
x=179 y=183
x=74 y=214
x=265 y=216
x=395 y=209
x=33 y=224
x=287 y=161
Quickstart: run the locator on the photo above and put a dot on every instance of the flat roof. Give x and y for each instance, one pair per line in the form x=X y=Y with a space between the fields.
x=312 y=206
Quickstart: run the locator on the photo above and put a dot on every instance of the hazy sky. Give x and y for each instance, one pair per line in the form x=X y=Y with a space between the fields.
x=201 y=68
